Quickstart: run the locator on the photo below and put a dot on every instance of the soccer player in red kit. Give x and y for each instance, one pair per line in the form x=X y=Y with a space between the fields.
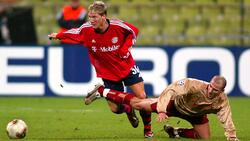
x=108 y=42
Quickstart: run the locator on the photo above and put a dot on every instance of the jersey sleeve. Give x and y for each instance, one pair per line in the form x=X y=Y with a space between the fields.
x=134 y=30
x=164 y=99
x=132 y=35
x=130 y=32
x=178 y=88
x=130 y=40
x=225 y=117
x=124 y=50
x=74 y=34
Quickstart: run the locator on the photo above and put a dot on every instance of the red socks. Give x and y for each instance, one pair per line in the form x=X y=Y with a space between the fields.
x=154 y=107
x=146 y=118
x=116 y=96
x=127 y=108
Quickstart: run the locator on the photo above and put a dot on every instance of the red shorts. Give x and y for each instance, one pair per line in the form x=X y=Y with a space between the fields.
x=173 y=112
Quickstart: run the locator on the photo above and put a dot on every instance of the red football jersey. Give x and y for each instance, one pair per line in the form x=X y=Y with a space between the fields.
x=103 y=48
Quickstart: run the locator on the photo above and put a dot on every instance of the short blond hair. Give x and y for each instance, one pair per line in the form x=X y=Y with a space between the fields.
x=98 y=7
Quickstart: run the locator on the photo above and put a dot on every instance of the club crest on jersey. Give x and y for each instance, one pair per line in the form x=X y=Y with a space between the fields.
x=114 y=40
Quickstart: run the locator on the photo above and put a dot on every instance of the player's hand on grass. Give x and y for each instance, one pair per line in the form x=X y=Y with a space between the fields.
x=52 y=36
x=161 y=116
x=233 y=139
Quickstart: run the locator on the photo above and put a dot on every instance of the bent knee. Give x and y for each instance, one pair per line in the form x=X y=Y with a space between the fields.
x=114 y=110
x=141 y=96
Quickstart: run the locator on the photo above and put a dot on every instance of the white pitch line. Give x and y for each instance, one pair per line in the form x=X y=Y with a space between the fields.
x=46 y=110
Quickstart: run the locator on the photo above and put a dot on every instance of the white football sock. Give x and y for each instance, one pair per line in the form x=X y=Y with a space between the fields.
x=105 y=92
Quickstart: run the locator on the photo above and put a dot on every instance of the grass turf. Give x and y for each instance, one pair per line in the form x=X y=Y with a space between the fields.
x=68 y=119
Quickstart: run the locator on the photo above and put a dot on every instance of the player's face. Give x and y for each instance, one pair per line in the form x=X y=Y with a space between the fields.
x=214 y=89
x=74 y=3
x=96 y=20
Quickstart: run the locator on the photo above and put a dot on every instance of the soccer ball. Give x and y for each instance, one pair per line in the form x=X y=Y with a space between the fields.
x=16 y=129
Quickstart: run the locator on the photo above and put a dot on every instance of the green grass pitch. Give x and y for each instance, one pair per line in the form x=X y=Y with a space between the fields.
x=68 y=119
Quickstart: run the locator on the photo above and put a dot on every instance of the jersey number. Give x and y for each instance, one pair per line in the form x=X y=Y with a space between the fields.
x=136 y=70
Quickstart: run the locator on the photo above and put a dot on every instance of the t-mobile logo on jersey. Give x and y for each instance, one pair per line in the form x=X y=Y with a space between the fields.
x=109 y=49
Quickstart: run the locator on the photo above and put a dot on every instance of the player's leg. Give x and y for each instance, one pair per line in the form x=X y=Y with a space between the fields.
x=200 y=125
x=129 y=99
x=119 y=107
x=138 y=90
x=203 y=130
x=199 y=131
x=136 y=84
x=116 y=97
x=176 y=132
x=200 y=128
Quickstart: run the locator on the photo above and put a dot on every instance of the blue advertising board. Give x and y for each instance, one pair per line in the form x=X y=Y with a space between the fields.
x=66 y=70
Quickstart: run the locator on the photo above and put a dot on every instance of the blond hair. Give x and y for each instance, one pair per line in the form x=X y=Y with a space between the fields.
x=98 y=7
